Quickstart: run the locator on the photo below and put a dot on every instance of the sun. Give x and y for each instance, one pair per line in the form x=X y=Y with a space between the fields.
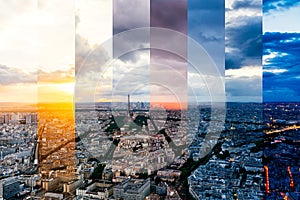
x=66 y=87
x=56 y=92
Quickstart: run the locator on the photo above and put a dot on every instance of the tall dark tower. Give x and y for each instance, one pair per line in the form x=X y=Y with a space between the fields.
x=128 y=111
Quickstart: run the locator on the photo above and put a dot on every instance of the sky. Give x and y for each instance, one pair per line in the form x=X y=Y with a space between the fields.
x=243 y=47
x=93 y=49
x=168 y=74
x=131 y=65
x=36 y=64
x=281 y=50
x=43 y=46
x=206 y=28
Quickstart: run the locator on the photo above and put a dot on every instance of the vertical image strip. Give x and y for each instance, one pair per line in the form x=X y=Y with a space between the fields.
x=169 y=93
x=243 y=80
x=93 y=51
x=168 y=88
x=206 y=29
x=281 y=40
x=56 y=129
x=18 y=98
x=131 y=94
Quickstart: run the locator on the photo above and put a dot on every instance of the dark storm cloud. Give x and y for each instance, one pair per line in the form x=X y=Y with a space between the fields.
x=130 y=14
x=243 y=49
x=169 y=14
x=10 y=75
x=233 y=60
x=272 y=5
x=244 y=36
x=281 y=74
x=206 y=26
x=172 y=15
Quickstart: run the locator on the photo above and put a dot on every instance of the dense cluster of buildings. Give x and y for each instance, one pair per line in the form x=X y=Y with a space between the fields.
x=141 y=154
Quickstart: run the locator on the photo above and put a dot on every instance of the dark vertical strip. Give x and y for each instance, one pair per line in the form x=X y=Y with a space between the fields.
x=206 y=73
x=168 y=70
x=281 y=99
x=168 y=73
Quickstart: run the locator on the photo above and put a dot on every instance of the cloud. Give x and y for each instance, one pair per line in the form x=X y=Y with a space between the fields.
x=281 y=66
x=169 y=71
x=57 y=76
x=9 y=75
x=243 y=47
x=243 y=42
x=281 y=50
x=130 y=14
x=169 y=14
x=247 y=87
x=276 y=5
x=89 y=58
x=244 y=82
x=130 y=74
x=206 y=26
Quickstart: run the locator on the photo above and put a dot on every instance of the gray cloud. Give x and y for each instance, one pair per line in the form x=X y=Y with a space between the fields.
x=169 y=14
x=244 y=40
x=244 y=86
x=10 y=75
x=89 y=58
x=130 y=14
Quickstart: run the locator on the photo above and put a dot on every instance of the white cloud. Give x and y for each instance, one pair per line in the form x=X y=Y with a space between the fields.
x=95 y=20
x=275 y=71
x=248 y=71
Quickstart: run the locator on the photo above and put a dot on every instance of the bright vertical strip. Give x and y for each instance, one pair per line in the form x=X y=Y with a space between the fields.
x=56 y=133
x=93 y=48
x=18 y=52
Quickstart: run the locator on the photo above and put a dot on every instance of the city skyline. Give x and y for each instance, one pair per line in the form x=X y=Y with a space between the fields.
x=155 y=99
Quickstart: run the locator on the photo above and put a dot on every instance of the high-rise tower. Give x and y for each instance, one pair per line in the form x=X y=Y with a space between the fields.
x=128 y=111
